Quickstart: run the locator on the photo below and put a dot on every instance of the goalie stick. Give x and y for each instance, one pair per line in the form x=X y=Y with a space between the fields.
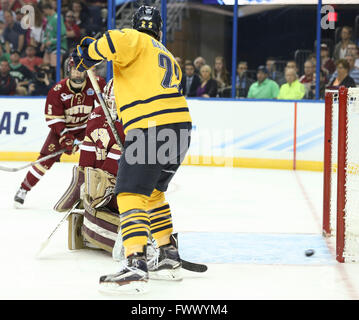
x=104 y=108
x=46 y=242
x=37 y=161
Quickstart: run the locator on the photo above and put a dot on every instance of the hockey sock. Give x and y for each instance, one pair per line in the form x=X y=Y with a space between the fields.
x=33 y=176
x=37 y=171
x=134 y=221
x=161 y=219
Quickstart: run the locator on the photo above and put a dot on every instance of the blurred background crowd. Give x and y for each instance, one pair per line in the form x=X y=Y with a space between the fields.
x=28 y=56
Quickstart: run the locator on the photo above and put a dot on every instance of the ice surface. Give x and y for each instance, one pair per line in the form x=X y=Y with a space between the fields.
x=251 y=226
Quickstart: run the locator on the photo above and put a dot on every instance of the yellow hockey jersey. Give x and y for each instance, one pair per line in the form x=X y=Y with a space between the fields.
x=146 y=79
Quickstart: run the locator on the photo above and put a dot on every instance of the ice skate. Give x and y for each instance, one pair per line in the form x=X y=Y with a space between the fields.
x=131 y=279
x=19 y=198
x=166 y=263
x=118 y=252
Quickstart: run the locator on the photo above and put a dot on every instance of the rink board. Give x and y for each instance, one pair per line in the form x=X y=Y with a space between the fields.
x=226 y=132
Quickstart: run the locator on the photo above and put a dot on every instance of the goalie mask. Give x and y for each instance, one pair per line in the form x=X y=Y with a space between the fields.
x=74 y=75
x=109 y=98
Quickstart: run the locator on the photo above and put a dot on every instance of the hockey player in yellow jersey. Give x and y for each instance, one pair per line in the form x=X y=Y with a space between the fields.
x=146 y=72
x=157 y=125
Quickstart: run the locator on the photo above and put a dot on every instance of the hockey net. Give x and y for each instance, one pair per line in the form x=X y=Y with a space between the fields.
x=341 y=172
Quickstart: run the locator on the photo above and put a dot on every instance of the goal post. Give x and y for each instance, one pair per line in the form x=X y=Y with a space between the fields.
x=327 y=170
x=341 y=172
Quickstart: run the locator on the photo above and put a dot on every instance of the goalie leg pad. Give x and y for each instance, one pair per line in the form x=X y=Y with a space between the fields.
x=100 y=228
x=72 y=194
x=75 y=238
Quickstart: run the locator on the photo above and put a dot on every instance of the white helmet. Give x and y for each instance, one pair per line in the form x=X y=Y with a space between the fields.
x=109 y=98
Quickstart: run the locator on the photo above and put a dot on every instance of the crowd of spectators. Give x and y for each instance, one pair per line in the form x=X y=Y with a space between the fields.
x=269 y=81
x=28 y=57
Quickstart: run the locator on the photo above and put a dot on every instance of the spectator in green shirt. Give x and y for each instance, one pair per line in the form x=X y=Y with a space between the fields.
x=293 y=89
x=263 y=88
x=4 y=56
x=50 y=37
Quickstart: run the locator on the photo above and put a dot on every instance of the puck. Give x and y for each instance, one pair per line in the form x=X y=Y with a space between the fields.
x=309 y=252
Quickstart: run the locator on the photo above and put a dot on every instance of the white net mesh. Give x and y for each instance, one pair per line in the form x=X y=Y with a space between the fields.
x=351 y=247
x=351 y=236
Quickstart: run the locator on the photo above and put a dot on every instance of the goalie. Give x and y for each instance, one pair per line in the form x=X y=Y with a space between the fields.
x=93 y=182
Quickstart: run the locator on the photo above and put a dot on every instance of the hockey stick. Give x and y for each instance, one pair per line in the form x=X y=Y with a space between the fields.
x=118 y=255
x=35 y=162
x=46 y=242
x=104 y=108
x=192 y=266
x=32 y=163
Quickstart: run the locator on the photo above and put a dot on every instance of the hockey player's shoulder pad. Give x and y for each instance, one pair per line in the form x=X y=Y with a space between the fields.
x=96 y=113
x=95 y=121
x=96 y=118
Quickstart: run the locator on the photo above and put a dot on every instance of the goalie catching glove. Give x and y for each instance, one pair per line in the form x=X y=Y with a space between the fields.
x=81 y=57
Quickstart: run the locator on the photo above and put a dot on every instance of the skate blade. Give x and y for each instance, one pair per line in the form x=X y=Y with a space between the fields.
x=135 y=287
x=166 y=274
x=18 y=205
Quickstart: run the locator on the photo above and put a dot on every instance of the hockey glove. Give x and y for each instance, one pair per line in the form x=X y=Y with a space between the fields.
x=80 y=55
x=66 y=141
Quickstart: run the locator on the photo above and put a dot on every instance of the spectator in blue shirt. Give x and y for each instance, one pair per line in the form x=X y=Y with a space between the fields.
x=274 y=74
x=243 y=82
x=190 y=81
x=13 y=32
